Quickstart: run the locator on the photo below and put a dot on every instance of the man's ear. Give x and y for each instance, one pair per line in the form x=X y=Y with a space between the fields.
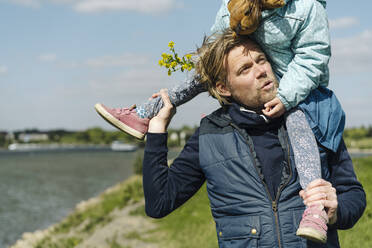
x=222 y=89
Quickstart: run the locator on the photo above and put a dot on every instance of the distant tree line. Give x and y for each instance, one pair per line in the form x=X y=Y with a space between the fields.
x=93 y=135
x=97 y=135
x=358 y=133
x=3 y=139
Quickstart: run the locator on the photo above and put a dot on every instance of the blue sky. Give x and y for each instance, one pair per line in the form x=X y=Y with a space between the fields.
x=59 y=57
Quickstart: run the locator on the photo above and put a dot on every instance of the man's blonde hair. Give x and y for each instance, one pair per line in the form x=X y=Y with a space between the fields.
x=211 y=64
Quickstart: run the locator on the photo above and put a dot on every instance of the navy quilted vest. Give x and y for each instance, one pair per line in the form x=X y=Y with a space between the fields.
x=241 y=205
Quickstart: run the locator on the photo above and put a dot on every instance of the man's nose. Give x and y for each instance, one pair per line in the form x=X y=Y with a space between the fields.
x=260 y=70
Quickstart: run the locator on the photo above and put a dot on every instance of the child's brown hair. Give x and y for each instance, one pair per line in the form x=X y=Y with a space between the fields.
x=245 y=15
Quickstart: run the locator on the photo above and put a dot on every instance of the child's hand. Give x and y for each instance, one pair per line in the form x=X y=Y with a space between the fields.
x=274 y=108
x=155 y=95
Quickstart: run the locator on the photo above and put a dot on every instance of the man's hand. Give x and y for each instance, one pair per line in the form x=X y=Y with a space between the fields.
x=274 y=108
x=160 y=122
x=321 y=192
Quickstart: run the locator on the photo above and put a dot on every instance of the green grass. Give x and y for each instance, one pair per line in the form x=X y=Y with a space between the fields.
x=133 y=235
x=62 y=243
x=138 y=211
x=112 y=243
x=360 y=234
x=191 y=225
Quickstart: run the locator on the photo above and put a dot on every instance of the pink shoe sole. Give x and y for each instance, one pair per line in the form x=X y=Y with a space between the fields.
x=311 y=234
x=313 y=225
x=116 y=123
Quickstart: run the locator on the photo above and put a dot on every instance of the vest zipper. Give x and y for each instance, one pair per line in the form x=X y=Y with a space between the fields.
x=274 y=203
x=275 y=210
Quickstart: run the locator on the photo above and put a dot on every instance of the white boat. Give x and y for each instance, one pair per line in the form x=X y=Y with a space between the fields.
x=23 y=147
x=51 y=147
x=37 y=147
x=122 y=147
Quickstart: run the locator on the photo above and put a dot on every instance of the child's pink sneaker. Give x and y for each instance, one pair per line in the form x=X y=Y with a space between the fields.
x=313 y=225
x=126 y=119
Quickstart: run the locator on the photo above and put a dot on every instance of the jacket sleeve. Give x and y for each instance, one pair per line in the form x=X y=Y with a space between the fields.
x=222 y=18
x=166 y=188
x=309 y=66
x=350 y=194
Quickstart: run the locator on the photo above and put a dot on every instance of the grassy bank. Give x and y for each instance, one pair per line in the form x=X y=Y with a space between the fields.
x=360 y=234
x=189 y=226
x=360 y=144
x=88 y=218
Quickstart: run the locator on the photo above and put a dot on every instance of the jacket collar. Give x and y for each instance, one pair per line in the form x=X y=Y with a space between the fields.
x=248 y=119
x=244 y=118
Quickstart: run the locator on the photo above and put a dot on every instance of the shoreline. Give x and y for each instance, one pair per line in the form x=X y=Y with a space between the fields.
x=121 y=222
x=358 y=150
x=357 y=153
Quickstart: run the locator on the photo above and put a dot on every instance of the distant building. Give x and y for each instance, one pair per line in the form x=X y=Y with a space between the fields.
x=9 y=136
x=173 y=136
x=29 y=137
x=183 y=138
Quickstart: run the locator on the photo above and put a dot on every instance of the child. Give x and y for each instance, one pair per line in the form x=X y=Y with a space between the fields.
x=294 y=35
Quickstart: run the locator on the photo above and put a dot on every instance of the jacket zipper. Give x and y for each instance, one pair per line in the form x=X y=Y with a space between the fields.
x=274 y=204
x=275 y=210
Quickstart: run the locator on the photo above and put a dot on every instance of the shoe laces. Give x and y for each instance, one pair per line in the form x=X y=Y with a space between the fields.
x=314 y=215
x=125 y=111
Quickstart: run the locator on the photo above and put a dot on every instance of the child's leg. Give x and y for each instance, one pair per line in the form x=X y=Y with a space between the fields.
x=313 y=225
x=134 y=121
x=305 y=148
x=178 y=95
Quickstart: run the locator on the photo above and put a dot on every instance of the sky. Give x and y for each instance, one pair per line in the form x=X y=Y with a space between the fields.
x=60 y=57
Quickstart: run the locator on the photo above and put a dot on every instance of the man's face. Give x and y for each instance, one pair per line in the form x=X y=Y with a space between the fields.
x=250 y=79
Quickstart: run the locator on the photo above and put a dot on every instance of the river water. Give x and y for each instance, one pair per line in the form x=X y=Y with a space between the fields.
x=38 y=189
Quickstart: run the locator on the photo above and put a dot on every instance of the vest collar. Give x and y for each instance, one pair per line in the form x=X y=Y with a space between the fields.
x=249 y=119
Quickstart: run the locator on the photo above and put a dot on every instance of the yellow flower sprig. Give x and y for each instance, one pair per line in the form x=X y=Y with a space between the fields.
x=174 y=63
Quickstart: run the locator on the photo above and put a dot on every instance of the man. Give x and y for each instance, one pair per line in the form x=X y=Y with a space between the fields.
x=246 y=159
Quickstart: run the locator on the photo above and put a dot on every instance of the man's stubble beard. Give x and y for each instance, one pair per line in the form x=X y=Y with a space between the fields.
x=259 y=99
x=263 y=96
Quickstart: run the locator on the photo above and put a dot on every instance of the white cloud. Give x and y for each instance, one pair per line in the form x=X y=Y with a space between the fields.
x=118 y=61
x=3 y=69
x=146 y=6
x=48 y=57
x=92 y=6
x=344 y=22
x=352 y=54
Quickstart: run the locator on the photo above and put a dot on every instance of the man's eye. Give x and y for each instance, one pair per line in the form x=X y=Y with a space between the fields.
x=262 y=60
x=246 y=68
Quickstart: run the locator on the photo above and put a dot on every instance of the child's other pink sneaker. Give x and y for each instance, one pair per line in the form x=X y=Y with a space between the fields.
x=313 y=225
x=126 y=119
